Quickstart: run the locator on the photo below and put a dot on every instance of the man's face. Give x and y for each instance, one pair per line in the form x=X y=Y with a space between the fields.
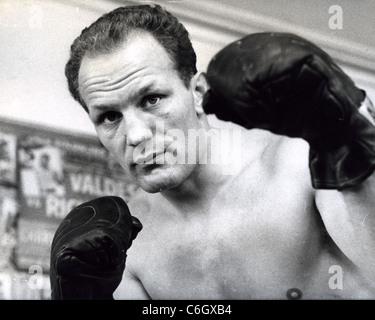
x=44 y=161
x=134 y=95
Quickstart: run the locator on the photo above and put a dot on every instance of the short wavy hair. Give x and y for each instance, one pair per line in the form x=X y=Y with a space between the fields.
x=111 y=30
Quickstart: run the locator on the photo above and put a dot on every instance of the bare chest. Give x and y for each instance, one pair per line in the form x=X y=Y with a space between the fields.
x=261 y=237
x=246 y=249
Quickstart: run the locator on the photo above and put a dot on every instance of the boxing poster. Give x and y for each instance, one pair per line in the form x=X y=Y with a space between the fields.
x=57 y=173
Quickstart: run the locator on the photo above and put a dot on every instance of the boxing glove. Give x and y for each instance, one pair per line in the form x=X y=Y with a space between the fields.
x=88 y=250
x=286 y=84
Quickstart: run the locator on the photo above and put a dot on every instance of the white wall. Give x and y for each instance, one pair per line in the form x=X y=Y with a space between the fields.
x=35 y=36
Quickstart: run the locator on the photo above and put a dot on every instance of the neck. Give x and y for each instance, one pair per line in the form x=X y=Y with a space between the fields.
x=197 y=190
x=207 y=178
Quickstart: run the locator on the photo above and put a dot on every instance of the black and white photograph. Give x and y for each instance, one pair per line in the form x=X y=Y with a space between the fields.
x=199 y=152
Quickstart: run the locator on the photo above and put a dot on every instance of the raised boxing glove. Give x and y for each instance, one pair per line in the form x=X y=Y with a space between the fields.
x=88 y=251
x=285 y=84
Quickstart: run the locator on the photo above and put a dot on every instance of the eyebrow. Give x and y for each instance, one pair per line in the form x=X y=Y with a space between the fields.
x=143 y=91
x=132 y=96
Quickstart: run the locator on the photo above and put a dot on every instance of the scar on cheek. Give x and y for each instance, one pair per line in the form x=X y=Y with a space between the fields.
x=294 y=294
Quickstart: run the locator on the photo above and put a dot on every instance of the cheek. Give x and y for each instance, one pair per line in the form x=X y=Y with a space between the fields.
x=112 y=144
x=182 y=114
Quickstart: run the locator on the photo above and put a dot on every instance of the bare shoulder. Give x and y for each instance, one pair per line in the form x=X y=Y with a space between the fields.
x=277 y=154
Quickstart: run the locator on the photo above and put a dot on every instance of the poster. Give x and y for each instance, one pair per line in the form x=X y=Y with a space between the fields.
x=44 y=175
x=54 y=178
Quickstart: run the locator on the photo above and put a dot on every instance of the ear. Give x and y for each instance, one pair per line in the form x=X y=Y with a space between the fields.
x=199 y=87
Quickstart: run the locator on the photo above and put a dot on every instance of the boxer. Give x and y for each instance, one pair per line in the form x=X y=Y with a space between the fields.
x=295 y=221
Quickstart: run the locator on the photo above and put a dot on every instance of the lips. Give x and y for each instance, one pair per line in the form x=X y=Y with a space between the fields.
x=151 y=152
x=149 y=158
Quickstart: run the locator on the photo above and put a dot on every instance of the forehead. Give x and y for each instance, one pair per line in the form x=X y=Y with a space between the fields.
x=140 y=50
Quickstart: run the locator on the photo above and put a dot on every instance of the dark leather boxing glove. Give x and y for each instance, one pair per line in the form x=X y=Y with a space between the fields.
x=89 y=250
x=285 y=84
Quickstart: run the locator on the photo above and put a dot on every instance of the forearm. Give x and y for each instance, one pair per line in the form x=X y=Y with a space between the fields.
x=349 y=217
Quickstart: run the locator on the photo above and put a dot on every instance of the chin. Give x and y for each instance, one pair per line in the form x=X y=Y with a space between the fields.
x=157 y=186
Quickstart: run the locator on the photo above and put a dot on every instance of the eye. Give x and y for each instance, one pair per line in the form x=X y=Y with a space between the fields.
x=109 y=117
x=151 y=101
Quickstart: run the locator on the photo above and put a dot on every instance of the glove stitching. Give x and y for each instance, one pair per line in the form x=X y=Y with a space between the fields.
x=78 y=239
x=95 y=213
x=75 y=228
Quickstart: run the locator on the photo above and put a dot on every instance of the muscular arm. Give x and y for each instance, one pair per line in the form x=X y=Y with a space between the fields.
x=349 y=215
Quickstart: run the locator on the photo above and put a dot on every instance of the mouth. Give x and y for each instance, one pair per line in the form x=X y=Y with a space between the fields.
x=150 y=159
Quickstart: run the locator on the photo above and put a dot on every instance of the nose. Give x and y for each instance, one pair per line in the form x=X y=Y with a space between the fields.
x=136 y=127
